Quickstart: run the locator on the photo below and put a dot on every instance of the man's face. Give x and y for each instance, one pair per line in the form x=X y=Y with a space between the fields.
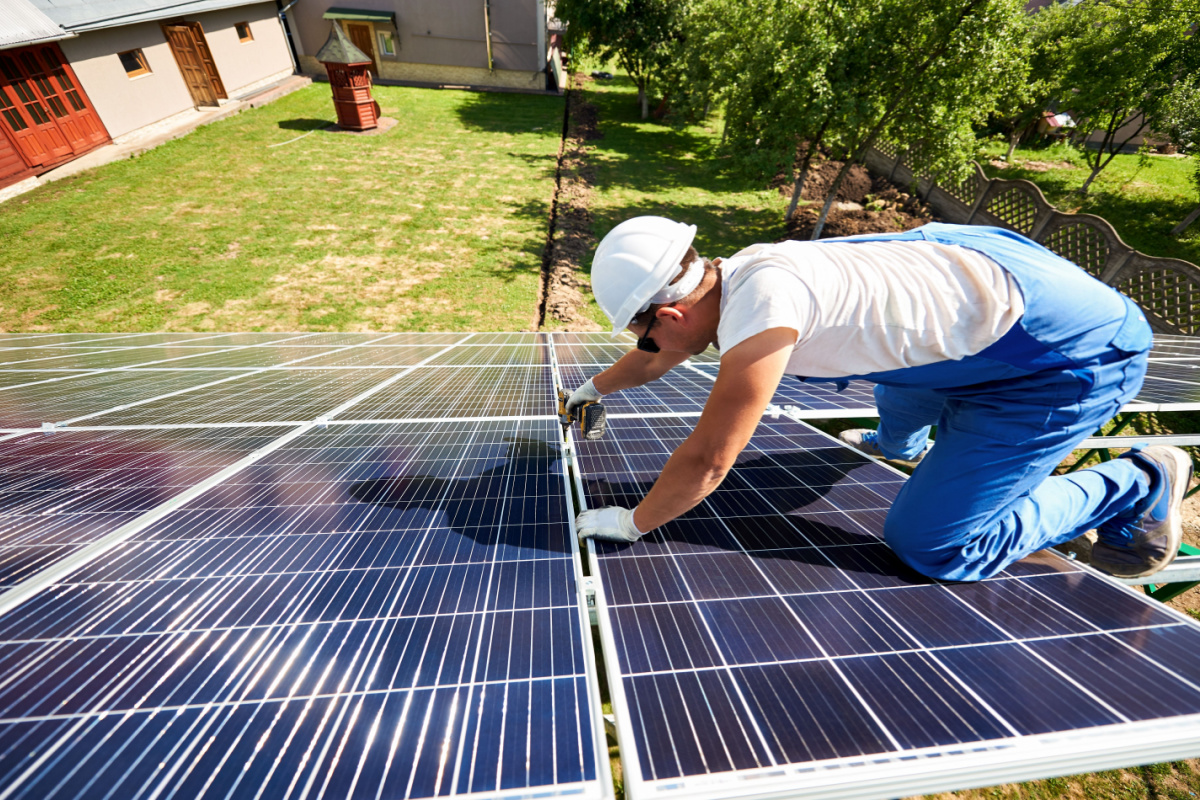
x=675 y=330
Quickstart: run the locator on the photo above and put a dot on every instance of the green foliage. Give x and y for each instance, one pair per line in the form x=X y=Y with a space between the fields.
x=841 y=73
x=639 y=35
x=1181 y=123
x=1048 y=39
x=1126 y=64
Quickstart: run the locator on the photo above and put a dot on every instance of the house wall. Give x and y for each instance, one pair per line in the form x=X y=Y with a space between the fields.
x=443 y=41
x=126 y=104
x=1123 y=133
x=123 y=103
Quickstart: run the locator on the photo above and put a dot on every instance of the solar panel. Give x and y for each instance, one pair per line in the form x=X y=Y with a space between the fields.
x=73 y=395
x=282 y=395
x=381 y=355
x=367 y=611
x=63 y=491
x=679 y=391
x=455 y=392
x=769 y=641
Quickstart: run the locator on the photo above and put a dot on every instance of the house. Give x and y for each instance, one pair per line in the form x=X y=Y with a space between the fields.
x=500 y=43
x=77 y=74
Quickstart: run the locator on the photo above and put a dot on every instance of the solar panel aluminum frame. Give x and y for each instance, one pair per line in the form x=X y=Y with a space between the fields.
x=902 y=773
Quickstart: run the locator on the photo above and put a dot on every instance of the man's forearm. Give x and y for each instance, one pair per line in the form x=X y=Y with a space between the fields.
x=688 y=477
x=636 y=368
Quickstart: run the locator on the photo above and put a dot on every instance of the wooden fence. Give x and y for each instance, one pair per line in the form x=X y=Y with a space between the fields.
x=1167 y=289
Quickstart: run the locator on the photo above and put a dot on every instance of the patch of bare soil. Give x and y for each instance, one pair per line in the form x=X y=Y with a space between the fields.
x=571 y=221
x=1032 y=166
x=863 y=204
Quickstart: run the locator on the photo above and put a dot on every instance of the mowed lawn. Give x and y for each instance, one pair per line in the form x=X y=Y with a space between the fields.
x=437 y=224
x=650 y=167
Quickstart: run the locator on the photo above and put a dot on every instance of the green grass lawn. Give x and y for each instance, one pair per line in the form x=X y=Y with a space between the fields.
x=1143 y=198
x=437 y=224
x=649 y=167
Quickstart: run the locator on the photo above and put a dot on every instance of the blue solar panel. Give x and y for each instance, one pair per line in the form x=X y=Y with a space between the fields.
x=769 y=641
x=366 y=611
x=61 y=492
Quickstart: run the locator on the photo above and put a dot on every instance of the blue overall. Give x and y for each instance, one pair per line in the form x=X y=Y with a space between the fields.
x=983 y=496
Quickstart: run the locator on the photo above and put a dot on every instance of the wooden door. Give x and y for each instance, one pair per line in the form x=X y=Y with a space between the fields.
x=207 y=60
x=41 y=141
x=79 y=106
x=78 y=124
x=187 y=56
x=360 y=35
x=12 y=165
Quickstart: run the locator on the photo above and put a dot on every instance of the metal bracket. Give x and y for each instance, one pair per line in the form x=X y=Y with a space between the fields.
x=589 y=594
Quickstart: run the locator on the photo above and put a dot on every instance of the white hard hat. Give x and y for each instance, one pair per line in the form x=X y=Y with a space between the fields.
x=635 y=263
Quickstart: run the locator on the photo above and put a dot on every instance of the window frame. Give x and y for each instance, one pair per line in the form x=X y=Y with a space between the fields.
x=390 y=36
x=140 y=56
x=249 y=37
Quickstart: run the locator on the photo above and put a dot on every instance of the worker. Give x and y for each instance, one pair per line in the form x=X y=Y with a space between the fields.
x=1015 y=354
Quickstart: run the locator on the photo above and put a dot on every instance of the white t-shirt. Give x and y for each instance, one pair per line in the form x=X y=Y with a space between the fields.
x=867 y=307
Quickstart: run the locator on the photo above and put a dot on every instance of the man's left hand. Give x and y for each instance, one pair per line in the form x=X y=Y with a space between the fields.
x=610 y=524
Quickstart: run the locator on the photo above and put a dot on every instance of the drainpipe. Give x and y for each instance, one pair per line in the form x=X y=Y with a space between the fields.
x=291 y=40
x=487 y=29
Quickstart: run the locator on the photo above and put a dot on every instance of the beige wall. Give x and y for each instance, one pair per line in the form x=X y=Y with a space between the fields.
x=437 y=73
x=242 y=64
x=123 y=103
x=126 y=104
x=445 y=33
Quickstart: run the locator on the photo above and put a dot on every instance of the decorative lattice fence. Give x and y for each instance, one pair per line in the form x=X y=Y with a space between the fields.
x=1167 y=289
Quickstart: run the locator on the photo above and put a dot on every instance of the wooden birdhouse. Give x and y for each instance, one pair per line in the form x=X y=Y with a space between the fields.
x=349 y=72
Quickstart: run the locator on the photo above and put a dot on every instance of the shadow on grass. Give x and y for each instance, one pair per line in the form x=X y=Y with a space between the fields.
x=303 y=124
x=502 y=112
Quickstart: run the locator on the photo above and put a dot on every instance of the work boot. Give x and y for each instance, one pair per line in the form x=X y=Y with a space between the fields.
x=866 y=441
x=1154 y=527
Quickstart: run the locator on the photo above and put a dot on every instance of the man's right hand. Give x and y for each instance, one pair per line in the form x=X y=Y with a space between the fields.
x=584 y=394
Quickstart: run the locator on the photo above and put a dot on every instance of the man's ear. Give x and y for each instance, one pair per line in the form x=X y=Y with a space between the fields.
x=669 y=314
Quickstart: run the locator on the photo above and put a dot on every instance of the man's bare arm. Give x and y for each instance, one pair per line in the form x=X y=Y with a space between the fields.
x=748 y=377
x=636 y=368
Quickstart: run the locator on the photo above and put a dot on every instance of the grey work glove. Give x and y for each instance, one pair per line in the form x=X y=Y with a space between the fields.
x=584 y=394
x=609 y=524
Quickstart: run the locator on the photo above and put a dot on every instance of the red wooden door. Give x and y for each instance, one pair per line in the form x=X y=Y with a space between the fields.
x=79 y=107
x=12 y=166
x=41 y=141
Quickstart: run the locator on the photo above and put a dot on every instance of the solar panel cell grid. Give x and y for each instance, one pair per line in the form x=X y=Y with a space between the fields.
x=61 y=492
x=376 y=356
x=497 y=355
x=680 y=390
x=410 y=625
x=449 y=392
x=777 y=624
x=274 y=396
x=28 y=406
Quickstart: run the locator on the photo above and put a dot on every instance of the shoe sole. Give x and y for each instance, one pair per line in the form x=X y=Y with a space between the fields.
x=1174 y=521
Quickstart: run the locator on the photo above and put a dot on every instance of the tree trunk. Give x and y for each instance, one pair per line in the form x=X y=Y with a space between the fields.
x=798 y=186
x=643 y=99
x=1013 y=138
x=1188 y=220
x=833 y=190
x=1083 y=190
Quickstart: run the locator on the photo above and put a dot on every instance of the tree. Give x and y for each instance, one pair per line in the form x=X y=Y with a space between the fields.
x=765 y=61
x=1048 y=37
x=1122 y=71
x=923 y=72
x=640 y=35
x=1181 y=122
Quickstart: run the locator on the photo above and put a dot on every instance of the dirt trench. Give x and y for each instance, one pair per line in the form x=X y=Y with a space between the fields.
x=864 y=204
x=570 y=235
